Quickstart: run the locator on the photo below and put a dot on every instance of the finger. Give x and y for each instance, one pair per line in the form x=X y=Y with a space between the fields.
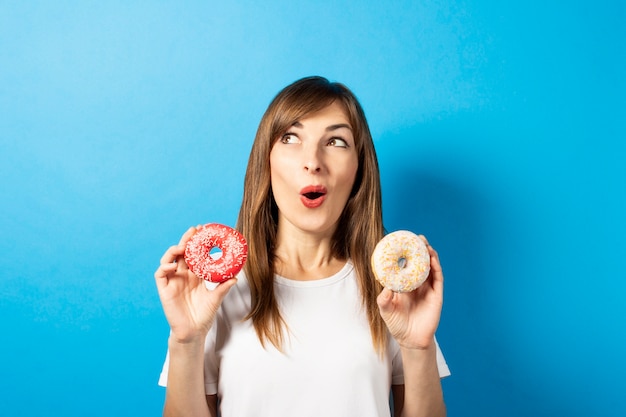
x=222 y=289
x=186 y=236
x=161 y=275
x=434 y=259
x=182 y=245
x=431 y=250
x=171 y=254
x=436 y=271
x=182 y=263
x=435 y=264
x=166 y=269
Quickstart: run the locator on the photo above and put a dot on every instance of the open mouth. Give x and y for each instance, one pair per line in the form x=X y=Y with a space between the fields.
x=313 y=195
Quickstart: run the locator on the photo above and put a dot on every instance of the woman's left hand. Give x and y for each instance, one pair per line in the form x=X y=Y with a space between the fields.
x=412 y=317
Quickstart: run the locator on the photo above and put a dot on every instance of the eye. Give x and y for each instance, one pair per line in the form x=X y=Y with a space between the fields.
x=338 y=142
x=289 y=138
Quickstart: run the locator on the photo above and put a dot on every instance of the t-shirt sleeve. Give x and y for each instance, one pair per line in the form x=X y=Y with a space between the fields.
x=444 y=371
x=164 y=370
x=211 y=365
x=397 y=371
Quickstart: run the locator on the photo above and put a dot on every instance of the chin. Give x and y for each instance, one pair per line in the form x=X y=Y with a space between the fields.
x=315 y=226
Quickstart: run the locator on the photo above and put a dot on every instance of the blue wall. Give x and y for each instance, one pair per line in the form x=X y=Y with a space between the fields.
x=501 y=131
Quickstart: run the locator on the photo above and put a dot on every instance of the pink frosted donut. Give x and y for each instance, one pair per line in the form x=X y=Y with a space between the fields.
x=401 y=261
x=216 y=269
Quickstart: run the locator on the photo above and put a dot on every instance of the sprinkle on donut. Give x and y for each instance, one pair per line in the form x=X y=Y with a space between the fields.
x=216 y=269
x=401 y=261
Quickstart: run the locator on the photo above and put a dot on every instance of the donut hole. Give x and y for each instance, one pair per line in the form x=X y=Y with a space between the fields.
x=215 y=252
x=402 y=262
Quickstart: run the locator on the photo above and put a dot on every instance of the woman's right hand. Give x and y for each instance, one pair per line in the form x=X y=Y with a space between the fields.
x=189 y=306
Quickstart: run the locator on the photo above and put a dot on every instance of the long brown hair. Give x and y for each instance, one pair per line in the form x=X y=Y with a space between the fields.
x=360 y=225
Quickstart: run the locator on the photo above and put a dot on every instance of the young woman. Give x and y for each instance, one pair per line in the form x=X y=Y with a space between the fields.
x=305 y=329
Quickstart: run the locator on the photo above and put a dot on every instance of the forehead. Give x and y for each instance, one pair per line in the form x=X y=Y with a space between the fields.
x=333 y=114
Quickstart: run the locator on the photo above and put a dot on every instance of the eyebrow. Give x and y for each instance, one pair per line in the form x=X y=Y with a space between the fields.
x=329 y=128
x=338 y=126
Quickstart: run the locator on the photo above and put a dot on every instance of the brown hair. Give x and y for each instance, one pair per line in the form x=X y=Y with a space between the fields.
x=360 y=225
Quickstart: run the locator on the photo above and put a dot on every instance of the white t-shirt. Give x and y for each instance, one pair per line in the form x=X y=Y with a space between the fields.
x=329 y=366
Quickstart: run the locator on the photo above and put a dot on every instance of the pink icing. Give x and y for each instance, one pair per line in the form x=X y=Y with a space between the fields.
x=213 y=235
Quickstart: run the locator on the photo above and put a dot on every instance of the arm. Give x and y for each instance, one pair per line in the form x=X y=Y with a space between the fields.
x=412 y=319
x=421 y=394
x=185 y=394
x=190 y=309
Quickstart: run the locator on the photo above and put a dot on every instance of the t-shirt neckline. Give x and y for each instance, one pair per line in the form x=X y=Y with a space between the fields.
x=338 y=276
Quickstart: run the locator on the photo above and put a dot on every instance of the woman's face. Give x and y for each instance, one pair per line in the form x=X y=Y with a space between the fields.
x=313 y=167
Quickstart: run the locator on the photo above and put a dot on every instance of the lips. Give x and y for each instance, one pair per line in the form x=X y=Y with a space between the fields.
x=313 y=195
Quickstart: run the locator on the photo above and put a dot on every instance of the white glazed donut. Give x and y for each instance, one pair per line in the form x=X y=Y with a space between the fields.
x=401 y=261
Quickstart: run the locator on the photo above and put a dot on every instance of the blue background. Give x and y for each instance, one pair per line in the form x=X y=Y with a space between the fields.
x=501 y=133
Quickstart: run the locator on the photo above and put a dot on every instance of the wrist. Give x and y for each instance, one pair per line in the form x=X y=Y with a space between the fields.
x=190 y=342
x=422 y=349
x=418 y=344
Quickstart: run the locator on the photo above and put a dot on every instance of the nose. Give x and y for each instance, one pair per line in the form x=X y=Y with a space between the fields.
x=312 y=160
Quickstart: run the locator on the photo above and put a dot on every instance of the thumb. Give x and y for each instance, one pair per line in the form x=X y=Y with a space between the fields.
x=222 y=289
x=384 y=300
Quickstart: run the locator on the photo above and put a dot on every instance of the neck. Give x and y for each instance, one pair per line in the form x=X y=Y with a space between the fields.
x=304 y=256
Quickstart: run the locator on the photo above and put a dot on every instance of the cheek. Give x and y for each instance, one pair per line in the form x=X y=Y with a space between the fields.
x=349 y=175
x=279 y=172
x=274 y=166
